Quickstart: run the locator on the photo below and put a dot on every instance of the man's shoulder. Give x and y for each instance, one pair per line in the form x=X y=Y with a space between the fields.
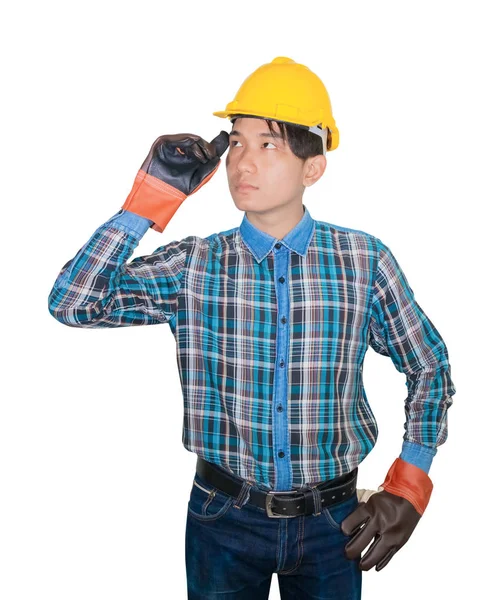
x=335 y=229
x=228 y=233
x=213 y=239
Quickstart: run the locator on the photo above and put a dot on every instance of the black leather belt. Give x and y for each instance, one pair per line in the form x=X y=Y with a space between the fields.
x=290 y=503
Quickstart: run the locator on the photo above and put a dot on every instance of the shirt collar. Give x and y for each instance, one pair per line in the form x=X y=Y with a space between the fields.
x=261 y=243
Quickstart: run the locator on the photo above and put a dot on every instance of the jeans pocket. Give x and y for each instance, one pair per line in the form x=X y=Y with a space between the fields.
x=206 y=502
x=336 y=513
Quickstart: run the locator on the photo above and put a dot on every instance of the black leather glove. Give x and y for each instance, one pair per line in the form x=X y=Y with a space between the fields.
x=177 y=166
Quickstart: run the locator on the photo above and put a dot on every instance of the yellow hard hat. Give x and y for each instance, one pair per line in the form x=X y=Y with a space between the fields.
x=286 y=91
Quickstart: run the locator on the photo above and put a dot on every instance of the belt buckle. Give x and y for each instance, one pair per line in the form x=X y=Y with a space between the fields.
x=268 y=504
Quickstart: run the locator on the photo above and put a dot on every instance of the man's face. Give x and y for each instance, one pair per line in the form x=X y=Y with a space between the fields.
x=257 y=158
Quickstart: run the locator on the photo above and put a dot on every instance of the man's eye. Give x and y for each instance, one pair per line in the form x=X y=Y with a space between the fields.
x=237 y=142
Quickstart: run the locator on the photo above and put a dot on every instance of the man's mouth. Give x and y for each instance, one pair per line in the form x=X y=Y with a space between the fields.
x=245 y=187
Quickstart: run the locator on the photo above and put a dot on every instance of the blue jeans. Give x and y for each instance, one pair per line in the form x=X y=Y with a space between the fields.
x=231 y=553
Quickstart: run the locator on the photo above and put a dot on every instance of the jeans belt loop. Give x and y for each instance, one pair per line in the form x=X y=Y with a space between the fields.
x=244 y=494
x=316 y=493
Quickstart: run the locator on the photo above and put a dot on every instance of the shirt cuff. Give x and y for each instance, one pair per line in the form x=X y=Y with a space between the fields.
x=132 y=223
x=418 y=455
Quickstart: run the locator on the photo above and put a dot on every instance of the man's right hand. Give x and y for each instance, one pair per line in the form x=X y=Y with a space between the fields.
x=177 y=166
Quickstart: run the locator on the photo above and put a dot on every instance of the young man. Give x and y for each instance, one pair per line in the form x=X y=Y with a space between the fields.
x=272 y=320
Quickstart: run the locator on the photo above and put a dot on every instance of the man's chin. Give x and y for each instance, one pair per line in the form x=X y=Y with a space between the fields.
x=245 y=204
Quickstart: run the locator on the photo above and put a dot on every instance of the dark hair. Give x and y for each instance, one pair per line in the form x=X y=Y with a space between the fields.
x=302 y=142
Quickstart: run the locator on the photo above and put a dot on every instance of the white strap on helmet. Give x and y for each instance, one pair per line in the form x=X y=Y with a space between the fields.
x=323 y=133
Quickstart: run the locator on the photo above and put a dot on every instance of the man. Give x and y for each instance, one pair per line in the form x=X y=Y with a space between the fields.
x=272 y=320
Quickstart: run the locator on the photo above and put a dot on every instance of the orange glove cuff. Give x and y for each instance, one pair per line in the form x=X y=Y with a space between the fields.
x=156 y=200
x=410 y=482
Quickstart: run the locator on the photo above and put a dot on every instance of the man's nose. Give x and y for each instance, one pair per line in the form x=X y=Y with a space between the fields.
x=246 y=162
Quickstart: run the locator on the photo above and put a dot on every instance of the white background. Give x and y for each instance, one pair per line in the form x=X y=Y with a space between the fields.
x=94 y=480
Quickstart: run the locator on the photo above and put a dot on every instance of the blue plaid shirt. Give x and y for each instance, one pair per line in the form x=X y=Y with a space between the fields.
x=271 y=337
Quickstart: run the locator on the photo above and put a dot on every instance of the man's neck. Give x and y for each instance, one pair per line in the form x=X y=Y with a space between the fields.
x=277 y=225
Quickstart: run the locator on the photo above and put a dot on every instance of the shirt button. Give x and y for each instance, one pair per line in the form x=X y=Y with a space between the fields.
x=281 y=454
x=283 y=319
x=278 y=245
x=281 y=279
x=282 y=363
x=279 y=408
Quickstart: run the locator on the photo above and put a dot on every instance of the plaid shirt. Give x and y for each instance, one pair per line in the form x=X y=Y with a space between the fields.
x=271 y=337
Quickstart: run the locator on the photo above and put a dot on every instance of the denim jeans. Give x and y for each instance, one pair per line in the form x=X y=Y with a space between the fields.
x=231 y=553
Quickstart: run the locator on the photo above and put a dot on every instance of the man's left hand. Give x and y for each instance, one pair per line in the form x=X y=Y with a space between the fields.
x=389 y=515
x=390 y=518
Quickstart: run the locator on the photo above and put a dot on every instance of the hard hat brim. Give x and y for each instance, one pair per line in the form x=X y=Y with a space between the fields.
x=255 y=114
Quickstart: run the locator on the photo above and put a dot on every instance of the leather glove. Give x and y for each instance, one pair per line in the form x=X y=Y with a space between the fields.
x=391 y=514
x=177 y=166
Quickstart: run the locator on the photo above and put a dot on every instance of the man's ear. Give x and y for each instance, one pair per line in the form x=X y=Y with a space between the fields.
x=314 y=169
